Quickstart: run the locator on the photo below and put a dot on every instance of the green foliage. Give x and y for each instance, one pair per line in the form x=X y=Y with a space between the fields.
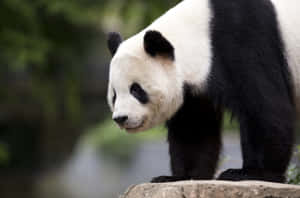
x=229 y=122
x=31 y=30
x=132 y=15
x=293 y=173
x=34 y=29
x=47 y=41
x=4 y=155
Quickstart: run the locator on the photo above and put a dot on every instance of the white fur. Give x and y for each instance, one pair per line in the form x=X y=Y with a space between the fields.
x=186 y=26
x=289 y=25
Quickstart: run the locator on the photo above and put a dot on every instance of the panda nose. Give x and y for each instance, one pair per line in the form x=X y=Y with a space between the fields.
x=120 y=119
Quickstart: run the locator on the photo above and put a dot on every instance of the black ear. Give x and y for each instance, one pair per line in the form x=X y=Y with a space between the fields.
x=113 y=42
x=156 y=44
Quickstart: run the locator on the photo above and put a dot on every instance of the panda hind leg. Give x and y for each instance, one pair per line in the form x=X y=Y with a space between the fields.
x=266 y=149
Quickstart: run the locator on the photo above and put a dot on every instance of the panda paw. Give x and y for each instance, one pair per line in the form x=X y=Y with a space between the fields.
x=164 y=179
x=233 y=175
x=244 y=174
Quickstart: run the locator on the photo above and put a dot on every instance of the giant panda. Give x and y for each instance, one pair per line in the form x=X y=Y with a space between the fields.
x=203 y=57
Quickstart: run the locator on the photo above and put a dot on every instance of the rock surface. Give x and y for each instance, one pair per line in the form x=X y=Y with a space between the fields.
x=213 y=189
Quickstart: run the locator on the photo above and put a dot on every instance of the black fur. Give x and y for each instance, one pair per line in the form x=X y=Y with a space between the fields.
x=194 y=139
x=250 y=77
x=113 y=42
x=139 y=93
x=156 y=44
x=114 y=97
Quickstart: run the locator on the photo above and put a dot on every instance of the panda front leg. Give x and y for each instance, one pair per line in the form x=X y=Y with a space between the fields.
x=194 y=140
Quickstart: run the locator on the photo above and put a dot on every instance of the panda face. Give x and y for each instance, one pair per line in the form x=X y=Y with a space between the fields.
x=144 y=89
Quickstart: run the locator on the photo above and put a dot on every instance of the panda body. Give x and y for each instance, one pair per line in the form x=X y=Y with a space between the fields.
x=200 y=58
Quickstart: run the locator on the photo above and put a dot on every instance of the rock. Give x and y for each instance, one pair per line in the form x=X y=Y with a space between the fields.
x=213 y=189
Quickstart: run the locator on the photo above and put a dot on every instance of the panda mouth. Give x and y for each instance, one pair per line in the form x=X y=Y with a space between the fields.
x=135 y=128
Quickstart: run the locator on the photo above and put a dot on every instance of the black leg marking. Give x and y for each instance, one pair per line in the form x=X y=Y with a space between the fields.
x=194 y=139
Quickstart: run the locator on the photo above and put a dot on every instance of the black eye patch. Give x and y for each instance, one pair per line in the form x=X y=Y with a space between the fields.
x=139 y=93
x=114 y=97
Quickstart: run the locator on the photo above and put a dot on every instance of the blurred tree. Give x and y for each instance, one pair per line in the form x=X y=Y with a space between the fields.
x=50 y=55
x=43 y=48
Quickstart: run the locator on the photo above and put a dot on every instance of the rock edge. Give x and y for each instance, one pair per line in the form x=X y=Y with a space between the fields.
x=213 y=189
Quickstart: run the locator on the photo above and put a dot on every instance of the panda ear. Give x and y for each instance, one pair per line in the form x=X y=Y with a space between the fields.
x=156 y=44
x=113 y=42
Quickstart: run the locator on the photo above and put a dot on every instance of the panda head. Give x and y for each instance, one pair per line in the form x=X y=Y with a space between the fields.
x=144 y=84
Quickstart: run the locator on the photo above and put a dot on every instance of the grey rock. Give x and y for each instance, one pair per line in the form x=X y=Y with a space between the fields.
x=213 y=189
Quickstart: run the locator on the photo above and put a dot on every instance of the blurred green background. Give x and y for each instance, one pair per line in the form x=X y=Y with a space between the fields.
x=56 y=135
x=53 y=72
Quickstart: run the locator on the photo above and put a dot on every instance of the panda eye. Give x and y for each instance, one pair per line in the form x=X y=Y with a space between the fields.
x=139 y=93
x=114 y=97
